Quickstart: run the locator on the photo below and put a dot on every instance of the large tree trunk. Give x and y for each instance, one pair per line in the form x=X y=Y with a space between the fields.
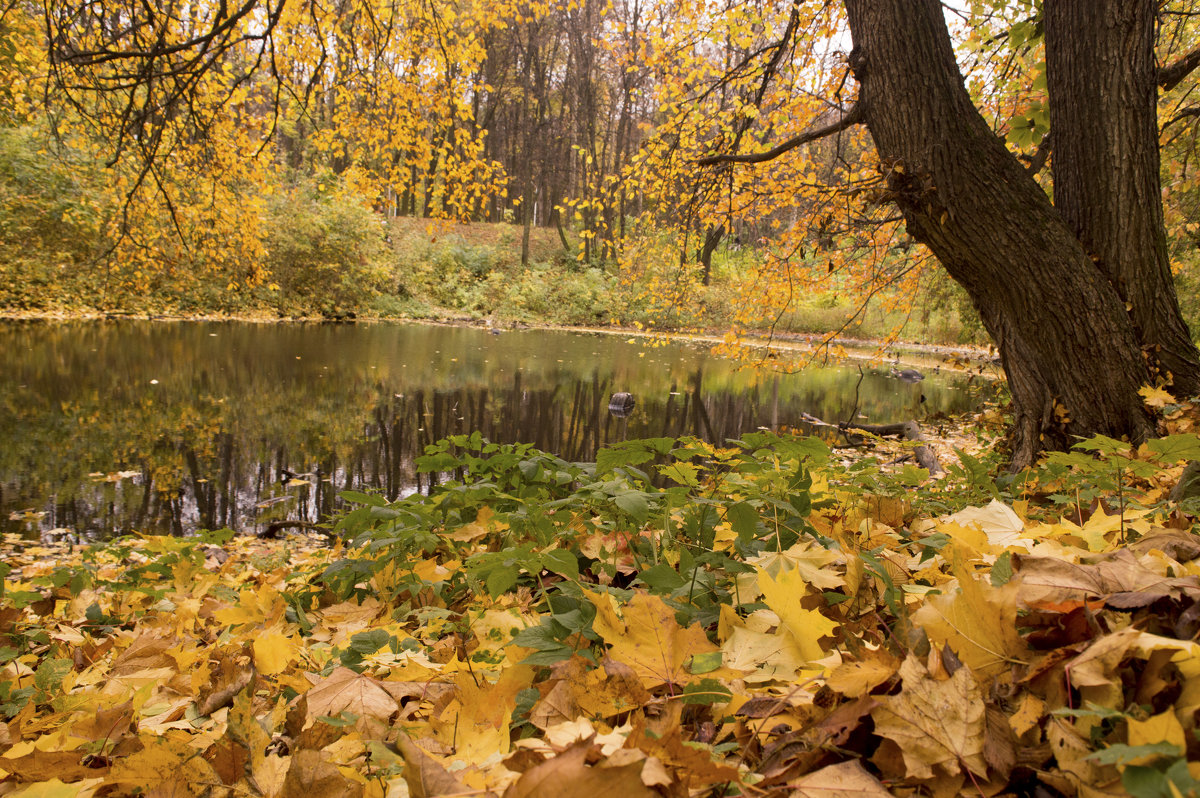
x=1103 y=89
x=1072 y=355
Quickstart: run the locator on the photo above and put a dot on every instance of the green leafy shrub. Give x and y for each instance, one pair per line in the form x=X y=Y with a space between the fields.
x=50 y=222
x=326 y=250
x=549 y=294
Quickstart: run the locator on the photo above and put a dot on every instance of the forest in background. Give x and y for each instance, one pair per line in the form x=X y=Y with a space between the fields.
x=321 y=160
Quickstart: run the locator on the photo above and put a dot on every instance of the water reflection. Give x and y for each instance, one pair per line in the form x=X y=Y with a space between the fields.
x=114 y=427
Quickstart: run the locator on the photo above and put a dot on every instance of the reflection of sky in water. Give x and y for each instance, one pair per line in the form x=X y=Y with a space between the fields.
x=209 y=414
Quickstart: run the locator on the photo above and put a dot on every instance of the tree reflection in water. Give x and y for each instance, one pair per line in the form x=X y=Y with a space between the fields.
x=167 y=428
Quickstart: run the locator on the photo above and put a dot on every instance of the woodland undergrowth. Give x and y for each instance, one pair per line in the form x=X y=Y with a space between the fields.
x=772 y=617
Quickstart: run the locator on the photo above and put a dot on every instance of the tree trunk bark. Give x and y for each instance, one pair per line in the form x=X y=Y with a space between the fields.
x=1073 y=360
x=712 y=238
x=1103 y=90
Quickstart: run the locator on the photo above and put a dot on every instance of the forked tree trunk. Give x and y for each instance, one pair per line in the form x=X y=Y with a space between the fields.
x=1072 y=354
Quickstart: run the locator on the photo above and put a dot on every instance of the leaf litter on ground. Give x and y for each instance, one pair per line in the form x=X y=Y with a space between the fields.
x=767 y=618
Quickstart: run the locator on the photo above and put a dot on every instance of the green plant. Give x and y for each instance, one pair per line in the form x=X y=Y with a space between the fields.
x=325 y=249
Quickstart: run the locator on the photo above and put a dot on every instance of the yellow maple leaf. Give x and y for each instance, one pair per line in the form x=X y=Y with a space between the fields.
x=1161 y=728
x=167 y=765
x=1155 y=397
x=854 y=679
x=783 y=595
x=979 y=622
x=484 y=524
x=646 y=637
x=763 y=655
x=476 y=722
x=273 y=652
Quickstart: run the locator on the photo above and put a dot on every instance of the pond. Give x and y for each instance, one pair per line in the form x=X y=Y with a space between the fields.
x=112 y=427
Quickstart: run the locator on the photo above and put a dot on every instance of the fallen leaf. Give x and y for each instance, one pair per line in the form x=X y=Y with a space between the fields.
x=567 y=774
x=807 y=627
x=273 y=652
x=854 y=679
x=45 y=765
x=979 y=623
x=1161 y=728
x=476 y=722
x=1053 y=579
x=646 y=637
x=347 y=691
x=167 y=766
x=1029 y=713
x=313 y=776
x=843 y=780
x=424 y=776
x=57 y=789
x=935 y=723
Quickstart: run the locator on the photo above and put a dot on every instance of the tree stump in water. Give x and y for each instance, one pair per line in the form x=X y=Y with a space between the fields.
x=621 y=404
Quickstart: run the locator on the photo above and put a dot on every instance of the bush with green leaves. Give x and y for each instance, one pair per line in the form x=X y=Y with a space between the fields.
x=50 y=220
x=326 y=251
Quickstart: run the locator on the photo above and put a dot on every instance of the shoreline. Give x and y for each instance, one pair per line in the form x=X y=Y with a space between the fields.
x=958 y=358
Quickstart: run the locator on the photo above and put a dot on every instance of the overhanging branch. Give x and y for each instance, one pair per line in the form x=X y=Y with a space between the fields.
x=854 y=116
x=1170 y=75
x=1181 y=115
x=1037 y=161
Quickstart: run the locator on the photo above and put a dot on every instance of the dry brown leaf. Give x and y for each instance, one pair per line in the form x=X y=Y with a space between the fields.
x=347 y=691
x=1050 y=579
x=555 y=707
x=999 y=744
x=111 y=725
x=568 y=775
x=311 y=775
x=146 y=652
x=843 y=780
x=935 y=723
x=425 y=777
x=225 y=692
x=229 y=759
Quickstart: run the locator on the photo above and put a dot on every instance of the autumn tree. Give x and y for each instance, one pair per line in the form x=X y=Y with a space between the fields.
x=1077 y=294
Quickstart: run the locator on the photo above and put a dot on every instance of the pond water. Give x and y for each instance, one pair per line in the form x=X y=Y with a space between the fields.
x=112 y=427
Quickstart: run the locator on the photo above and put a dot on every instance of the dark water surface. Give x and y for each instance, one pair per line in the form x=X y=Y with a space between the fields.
x=111 y=427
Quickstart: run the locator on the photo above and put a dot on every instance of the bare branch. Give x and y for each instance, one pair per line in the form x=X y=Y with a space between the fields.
x=1170 y=76
x=854 y=116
